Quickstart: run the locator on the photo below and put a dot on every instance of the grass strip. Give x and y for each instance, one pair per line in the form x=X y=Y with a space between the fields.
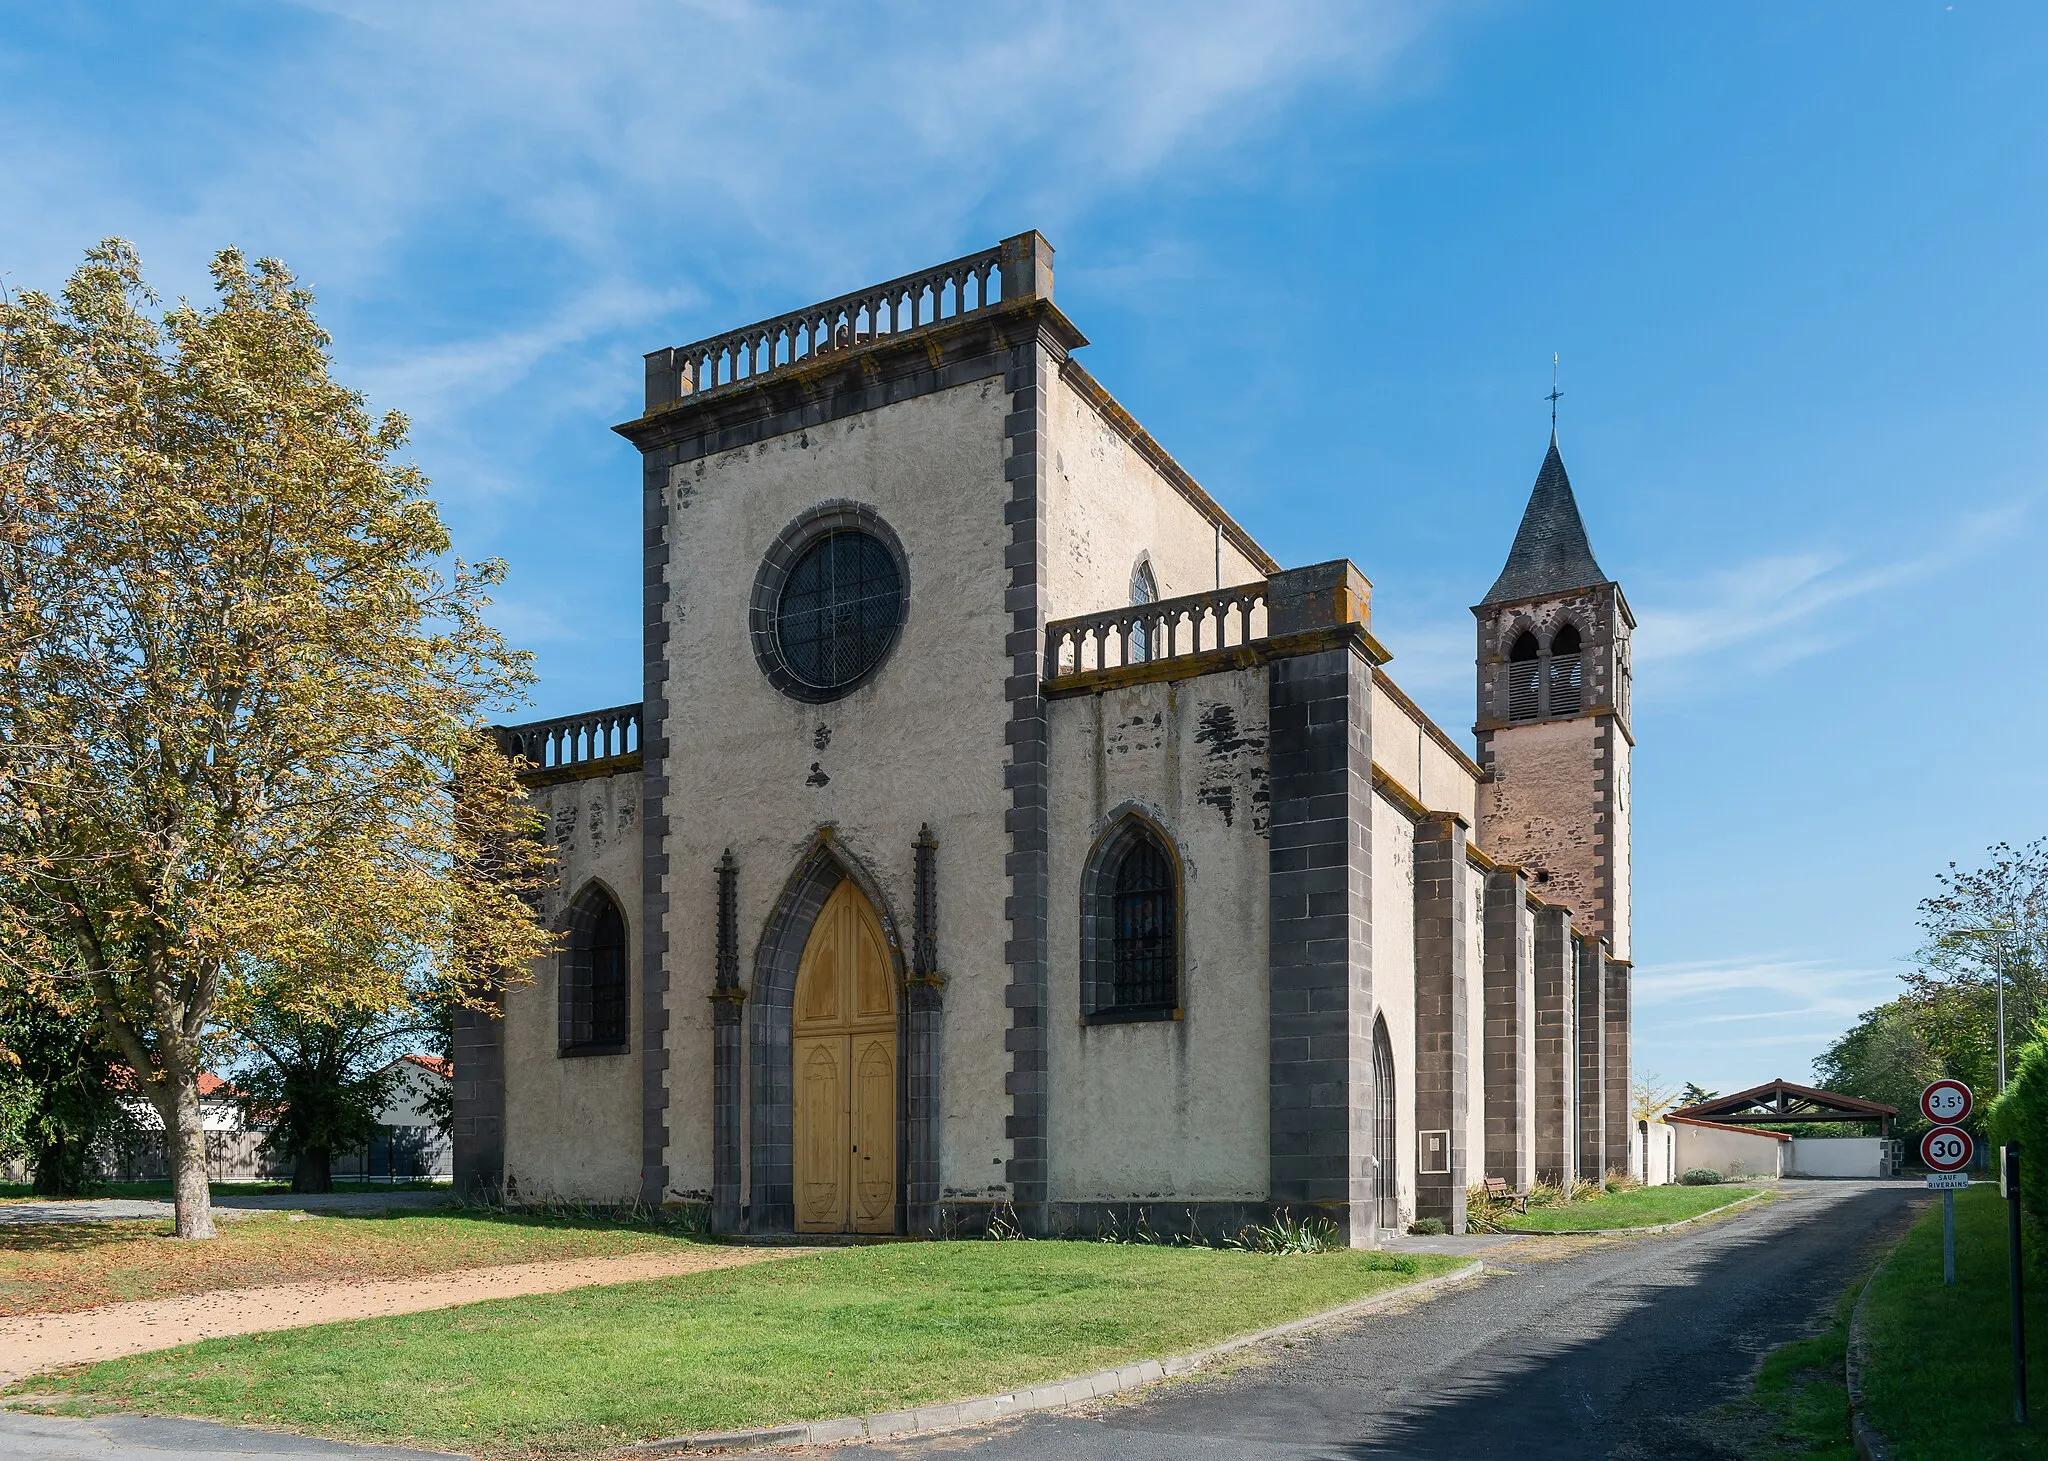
x=1643 y=1207
x=1938 y=1382
x=52 y=1268
x=1796 y=1409
x=842 y=1332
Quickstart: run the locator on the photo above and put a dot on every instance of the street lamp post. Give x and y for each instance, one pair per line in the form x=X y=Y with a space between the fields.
x=1998 y=983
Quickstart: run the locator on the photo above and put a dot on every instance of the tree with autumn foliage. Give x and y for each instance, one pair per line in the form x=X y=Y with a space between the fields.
x=243 y=689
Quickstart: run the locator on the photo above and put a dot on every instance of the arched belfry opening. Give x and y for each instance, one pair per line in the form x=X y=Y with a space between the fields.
x=1567 y=673
x=1525 y=677
x=825 y=1049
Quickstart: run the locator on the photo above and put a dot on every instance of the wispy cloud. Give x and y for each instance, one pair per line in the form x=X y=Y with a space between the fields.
x=1779 y=609
x=1710 y=1018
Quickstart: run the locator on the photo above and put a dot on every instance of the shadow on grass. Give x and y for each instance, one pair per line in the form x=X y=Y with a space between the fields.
x=77 y=1237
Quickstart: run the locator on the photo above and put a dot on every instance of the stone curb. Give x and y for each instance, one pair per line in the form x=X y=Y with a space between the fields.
x=1053 y=1395
x=1869 y=1441
x=1619 y=1232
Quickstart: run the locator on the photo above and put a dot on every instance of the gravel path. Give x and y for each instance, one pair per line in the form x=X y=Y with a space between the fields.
x=36 y=1342
x=1569 y=1348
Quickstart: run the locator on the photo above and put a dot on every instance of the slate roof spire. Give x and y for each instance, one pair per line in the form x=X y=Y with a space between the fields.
x=1551 y=553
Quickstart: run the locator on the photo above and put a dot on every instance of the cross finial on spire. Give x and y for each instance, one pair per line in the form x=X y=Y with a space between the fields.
x=1554 y=393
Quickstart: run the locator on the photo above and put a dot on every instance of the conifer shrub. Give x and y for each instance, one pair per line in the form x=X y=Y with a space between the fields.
x=2021 y=1115
x=1701 y=1177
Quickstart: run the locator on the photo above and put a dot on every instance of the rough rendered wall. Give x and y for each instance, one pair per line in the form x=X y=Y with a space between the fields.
x=1393 y=972
x=1108 y=505
x=1475 y=1022
x=1621 y=896
x=1542 y=810
x=1403 y=748
x=922 y=742
x=1529 y=1096
x=572 y=1125
x=1166 y=1109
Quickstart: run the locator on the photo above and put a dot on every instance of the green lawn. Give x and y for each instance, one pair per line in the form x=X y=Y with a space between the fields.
x=1939 y=1382
x=841 y=1332
x=1642 y=1208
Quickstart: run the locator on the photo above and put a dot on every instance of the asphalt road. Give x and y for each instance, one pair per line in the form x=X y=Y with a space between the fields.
x=1568 y=1348
x=1585 y=1349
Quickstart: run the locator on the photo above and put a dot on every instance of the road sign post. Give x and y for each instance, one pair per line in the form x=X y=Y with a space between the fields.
x=1946 y=1150
x=1947 y=1103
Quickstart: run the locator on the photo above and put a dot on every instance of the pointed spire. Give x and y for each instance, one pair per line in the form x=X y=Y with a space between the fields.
x=1551 y=553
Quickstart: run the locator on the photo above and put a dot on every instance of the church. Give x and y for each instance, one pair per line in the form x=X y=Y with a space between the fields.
x=1004 y=839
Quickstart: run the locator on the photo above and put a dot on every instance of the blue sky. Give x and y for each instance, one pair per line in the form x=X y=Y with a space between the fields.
x=1791 y=256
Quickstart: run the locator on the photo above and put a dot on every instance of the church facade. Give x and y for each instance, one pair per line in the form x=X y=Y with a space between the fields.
x=1004 y=837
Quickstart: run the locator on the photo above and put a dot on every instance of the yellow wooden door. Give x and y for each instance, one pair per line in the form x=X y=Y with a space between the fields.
x=843 y=1059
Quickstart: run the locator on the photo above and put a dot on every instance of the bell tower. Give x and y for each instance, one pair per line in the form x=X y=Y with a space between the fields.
x=1553 y=723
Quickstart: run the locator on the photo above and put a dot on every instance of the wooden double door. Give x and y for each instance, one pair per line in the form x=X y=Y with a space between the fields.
x=843 y=1068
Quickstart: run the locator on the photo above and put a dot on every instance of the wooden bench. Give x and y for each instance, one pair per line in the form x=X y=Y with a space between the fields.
x=1497 y=1190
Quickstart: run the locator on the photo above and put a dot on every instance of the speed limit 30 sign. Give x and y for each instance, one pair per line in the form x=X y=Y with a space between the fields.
x=1946 y=1103
x=1946 y=1149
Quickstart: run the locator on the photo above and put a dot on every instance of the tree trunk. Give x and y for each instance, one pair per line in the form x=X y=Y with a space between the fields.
x=185 y=1135
x=55 y=1172
x=313 y=1170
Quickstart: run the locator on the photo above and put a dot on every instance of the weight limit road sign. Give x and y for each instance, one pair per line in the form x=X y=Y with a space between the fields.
x=1945 y=1149
x=1946 y=1103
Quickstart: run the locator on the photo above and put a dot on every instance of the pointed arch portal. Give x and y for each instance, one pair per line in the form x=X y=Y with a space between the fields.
x=825 y=1056
x=843 y=1061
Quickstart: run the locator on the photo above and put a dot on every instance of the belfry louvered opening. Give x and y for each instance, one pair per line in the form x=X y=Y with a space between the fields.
x=1566 y=672
x=1525 y=678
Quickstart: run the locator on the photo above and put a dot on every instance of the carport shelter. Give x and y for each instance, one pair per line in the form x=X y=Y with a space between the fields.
x=1781 y=1103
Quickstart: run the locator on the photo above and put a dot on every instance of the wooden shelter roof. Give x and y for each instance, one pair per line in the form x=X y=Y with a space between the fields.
x=1780 y=1101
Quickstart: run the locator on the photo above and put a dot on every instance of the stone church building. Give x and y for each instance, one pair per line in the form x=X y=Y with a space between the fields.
x=1003 y=835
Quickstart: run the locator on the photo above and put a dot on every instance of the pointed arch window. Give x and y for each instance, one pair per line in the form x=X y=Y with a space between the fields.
x=593 y=975
x=1130 y=927
x=1525 y=677
x=1386 y=1149
x=1144 y=590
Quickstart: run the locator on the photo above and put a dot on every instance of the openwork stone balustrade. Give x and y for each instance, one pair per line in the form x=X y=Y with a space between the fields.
x=963 y=287
x=1224 y=618
x=574 y=740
